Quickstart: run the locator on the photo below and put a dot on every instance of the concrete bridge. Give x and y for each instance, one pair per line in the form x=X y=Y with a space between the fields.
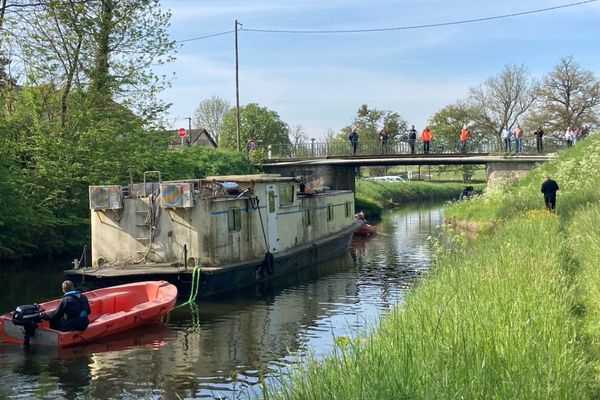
x=340 y=172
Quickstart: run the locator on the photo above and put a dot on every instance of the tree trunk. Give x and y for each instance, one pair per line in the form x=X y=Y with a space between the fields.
x=101 y=84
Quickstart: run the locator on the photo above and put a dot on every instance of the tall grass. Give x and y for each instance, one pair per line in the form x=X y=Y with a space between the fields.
x=584 y=241
x=492 y=322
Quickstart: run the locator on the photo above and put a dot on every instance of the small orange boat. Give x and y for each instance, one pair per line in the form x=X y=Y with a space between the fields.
x=365 y=230
x=113 y=309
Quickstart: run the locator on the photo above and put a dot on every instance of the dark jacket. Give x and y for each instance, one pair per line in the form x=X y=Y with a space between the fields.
x=549 y=188
x=71 y=314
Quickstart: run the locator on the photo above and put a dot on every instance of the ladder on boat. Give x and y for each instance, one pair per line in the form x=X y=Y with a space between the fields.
x=147 y=218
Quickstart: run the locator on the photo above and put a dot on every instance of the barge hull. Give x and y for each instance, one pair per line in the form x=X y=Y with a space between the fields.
x=218 y=280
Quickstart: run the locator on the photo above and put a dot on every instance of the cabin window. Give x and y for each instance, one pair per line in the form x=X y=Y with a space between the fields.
x=271 y=201
x=308 y=216
x=329 y=212
x=348 y=209
x=286 y=195
x=234 y=219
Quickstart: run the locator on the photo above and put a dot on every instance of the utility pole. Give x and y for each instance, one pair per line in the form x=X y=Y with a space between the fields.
x=237 y=89
x=190 y=128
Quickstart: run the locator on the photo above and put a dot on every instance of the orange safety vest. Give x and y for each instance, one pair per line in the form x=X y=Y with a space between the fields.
x=426 y=135
x=464 y=134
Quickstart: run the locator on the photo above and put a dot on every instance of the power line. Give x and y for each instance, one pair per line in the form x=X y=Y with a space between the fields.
x=409 y=27
x=399 y=28
x=205 y=37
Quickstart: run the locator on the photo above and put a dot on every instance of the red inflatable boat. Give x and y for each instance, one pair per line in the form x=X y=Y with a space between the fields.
x=113 y=309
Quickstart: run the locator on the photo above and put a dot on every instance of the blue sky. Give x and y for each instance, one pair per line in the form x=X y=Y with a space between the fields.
x=318 y=81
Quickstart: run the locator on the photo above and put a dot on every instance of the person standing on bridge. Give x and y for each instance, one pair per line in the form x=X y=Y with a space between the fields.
x=383 y=139
x=412 y=138
x=353 y=138
x=506 y=134
x=539 y=134
x=518 y=134
x=464 y=137
x=426 y=138
x=549 y=189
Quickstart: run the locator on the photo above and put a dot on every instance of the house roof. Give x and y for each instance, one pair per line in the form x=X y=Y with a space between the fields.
x=197 y=136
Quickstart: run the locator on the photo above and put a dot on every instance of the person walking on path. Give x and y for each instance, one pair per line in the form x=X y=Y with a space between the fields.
x=464 y=137
x=518 y=135
x=549 y=189
x=353 y=138
x=412 y=138
x=426 y=138
x=539 y=133
x=506 y=134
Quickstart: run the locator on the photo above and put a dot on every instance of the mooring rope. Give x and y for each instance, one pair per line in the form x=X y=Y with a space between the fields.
x=194 y=289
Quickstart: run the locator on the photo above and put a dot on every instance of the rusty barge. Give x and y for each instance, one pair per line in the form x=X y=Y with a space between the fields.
x=217 y=234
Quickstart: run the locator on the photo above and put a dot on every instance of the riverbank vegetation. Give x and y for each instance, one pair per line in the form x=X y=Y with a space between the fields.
x=79 y=107
x=513 y=315
x=372 y=197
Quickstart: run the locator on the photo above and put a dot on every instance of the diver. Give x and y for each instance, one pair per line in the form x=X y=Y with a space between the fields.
x=72 y=312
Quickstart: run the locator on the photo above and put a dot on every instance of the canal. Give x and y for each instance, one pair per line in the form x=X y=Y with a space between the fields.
x=225 y=347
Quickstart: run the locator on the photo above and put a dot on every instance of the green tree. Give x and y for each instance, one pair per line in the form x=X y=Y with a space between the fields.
x=569 y=96
x=447 y=123
x=256 y=123
x=209 y=115
x=107 y=48
x=368 y=122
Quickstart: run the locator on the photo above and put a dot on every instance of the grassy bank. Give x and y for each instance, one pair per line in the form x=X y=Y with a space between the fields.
x=516 y=315
x=373 y=197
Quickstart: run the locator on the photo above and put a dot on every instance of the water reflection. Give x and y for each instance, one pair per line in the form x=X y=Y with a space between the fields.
x=226 y=345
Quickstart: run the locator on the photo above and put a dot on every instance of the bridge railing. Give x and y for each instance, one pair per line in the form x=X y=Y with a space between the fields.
x=393 y=148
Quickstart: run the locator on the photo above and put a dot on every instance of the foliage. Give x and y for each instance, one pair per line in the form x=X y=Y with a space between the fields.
x=209 y=115
x=368 y=122
x=200 y=162
x=569 y=96
x=46 y=173
x=256 y=123
x=106 y=47
x=447 y=123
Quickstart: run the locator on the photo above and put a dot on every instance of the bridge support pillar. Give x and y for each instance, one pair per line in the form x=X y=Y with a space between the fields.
x=314 y=176
x=506 y=171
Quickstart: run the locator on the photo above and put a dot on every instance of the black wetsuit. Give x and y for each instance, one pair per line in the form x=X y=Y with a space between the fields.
x=71 y=314
x=549 y=188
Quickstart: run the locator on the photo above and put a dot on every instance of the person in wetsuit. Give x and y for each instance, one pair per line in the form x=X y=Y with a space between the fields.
x=549 y=188
x=72 y=312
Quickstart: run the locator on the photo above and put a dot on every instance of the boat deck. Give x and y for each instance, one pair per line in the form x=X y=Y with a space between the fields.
x=141 y=270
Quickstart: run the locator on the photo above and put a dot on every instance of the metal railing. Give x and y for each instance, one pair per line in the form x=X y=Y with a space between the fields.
x=396 y=148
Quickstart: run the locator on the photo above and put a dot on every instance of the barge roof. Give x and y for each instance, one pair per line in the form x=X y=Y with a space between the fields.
x=252 y=178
